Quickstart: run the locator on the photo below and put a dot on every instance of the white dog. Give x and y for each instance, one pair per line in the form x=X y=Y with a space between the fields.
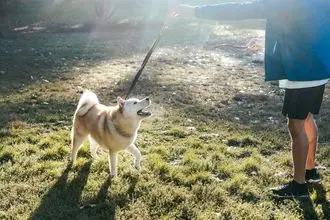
x=112 y=128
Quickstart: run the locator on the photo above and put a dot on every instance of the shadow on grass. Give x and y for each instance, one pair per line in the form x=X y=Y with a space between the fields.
x=307 y=208
x=6 y=158
x=100 y=207
x=48 y=113
x=321 y=199
x=103 y=206
x=29 y=58
x=62 y=200
x=37 y=57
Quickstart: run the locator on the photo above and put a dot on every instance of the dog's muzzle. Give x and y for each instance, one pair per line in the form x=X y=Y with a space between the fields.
x=142 y=112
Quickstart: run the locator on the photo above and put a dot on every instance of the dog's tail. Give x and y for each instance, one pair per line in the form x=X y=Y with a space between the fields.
x=86 y=102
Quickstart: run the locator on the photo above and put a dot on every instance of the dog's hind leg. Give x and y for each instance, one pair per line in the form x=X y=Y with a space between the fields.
x=136 y=153
x=76 y=142
x=113 y=163
x=93 y=146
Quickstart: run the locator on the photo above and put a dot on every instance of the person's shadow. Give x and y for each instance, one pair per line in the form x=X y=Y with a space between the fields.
x=307 y=206
x=62 y=200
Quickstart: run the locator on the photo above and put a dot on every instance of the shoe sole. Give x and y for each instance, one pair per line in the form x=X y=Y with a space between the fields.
x=304 y=197
x=313 y=181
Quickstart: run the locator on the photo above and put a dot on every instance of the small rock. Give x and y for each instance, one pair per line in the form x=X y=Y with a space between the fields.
x=175 y=162
x=191 y=129
x=34 y=96
x=238 y=98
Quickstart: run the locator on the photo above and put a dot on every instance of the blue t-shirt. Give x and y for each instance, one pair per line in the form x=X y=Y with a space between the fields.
x=297 y=35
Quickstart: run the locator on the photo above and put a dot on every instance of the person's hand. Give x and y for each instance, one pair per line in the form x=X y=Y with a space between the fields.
x=182 y=11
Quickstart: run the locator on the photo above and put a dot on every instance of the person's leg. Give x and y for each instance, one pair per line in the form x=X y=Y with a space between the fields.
x=298 y=106
x=299 y=148
x=312 y=134
x=299 y=142
x=312 y=175
x=294 y=108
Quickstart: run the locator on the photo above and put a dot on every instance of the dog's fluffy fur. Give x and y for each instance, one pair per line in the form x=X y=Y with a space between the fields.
x=112 y=128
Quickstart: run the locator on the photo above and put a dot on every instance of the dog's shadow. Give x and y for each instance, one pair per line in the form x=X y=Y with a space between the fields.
x=100 y=207
x=62 y=201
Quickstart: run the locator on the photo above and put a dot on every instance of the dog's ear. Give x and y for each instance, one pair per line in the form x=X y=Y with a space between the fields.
x=120 y=102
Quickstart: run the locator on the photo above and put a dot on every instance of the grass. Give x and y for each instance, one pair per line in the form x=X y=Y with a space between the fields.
x=214 y=146
x=183 y=176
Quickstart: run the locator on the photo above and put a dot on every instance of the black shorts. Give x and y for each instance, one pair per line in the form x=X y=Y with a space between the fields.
x=299 y=102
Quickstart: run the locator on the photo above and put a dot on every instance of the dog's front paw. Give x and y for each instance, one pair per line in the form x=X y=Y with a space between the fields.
x=114 y=174
x=72 y=160
x=137 y=166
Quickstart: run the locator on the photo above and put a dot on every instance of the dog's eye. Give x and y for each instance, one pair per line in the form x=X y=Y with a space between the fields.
x=134 y=103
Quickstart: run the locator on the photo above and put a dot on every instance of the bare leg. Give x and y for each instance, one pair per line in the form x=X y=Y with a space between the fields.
x=312 y=134
x=137 y=155
x=113 y=163
x=299 y=148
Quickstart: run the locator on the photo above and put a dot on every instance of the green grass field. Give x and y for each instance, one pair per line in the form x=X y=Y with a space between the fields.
x=215 y=144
